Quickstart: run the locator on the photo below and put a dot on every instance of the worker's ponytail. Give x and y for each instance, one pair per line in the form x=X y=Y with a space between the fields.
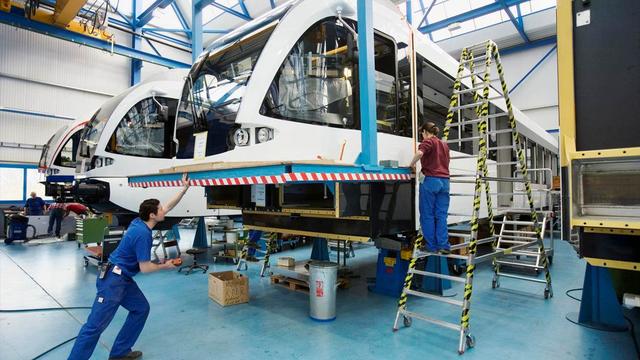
x=430 y=127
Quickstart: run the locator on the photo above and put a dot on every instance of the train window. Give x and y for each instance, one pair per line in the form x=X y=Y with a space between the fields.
x=144 y=131
x=404 y=124
x=211 y=99
x=386 y=89
x=315 y=84
x=67 y=156
x=434 y=90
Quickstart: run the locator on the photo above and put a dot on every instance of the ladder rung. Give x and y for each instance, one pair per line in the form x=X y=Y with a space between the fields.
x=442 y=323
x=526 y=278
x=481 y=57
x=518 y=232
x=504 y=147
x=467 y=106
x=448 y=256
x=513 y=263
x=525 y=253
x=515 y=242
x=472 y=138
x=514 y=222
x=469 y=90
x=500 y=131
x=503 y=179
x=434 y=297
x=439 y=276
x=522 y=238
x=465 y=122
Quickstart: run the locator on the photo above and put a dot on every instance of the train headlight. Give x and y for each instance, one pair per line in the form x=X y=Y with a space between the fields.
x=241 y=137
x=264 y=134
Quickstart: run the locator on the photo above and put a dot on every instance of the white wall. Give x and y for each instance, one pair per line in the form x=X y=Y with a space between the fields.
x=537 y=96
x=39 y=73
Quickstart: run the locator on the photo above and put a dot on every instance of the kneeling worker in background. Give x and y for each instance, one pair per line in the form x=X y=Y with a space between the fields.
x=433 y=154
x=116 y=286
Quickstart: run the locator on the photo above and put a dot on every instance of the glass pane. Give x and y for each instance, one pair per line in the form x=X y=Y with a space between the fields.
x=211 y=100
x=33 y=183
x=67 y=156
x=142 y=131
x=314 y=84
x=11 y=180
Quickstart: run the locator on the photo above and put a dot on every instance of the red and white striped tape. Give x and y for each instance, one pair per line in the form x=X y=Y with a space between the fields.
x=278 y=179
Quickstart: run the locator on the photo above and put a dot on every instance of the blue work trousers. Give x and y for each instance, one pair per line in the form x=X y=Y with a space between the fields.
x=434 y=206
x=113 y=291
x=55 y=217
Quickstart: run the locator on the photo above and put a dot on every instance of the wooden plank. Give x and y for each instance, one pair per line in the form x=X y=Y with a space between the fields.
x=299 y=285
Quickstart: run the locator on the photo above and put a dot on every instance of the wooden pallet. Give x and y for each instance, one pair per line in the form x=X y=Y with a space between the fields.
x=299 y=285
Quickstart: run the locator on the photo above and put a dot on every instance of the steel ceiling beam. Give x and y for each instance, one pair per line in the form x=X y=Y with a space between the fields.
x=16 y=18
x=244 y=8
x=518 y=23
x=181 y=18
x=146 y=16
x=228 y=10
x=481 y=11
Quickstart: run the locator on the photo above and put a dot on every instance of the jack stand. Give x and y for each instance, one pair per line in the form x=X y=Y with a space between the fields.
x=320 y=250
x=200 y=239
x=599 y=308
x=436 y=264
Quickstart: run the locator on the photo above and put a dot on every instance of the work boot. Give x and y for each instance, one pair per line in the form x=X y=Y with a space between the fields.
x=130 y=356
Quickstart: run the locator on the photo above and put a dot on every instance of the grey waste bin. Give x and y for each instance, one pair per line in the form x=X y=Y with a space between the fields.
x=322 y=290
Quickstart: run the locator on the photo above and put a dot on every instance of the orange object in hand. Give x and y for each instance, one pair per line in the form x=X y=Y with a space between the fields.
x=176 y=262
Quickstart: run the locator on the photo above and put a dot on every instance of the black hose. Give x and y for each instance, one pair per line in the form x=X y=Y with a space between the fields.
x=47 y=309
x=631 y=327
x=44 y=309
x=572 y=290
x=55 y=347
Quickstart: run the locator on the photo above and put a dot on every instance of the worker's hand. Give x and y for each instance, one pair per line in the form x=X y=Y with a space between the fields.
x=185 y=181
x=413 y=169
x=168 y=265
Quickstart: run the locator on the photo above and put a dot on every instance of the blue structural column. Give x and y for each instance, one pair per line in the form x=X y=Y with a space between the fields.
x=136 y=41
x=366 y=74
x=196 y=29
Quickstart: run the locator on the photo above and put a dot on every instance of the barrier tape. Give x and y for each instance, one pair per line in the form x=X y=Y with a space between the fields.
x=276 y=179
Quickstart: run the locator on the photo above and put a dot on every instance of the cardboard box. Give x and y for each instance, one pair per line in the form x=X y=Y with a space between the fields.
x=556 y=183
x=228 y=288
x=286 y=261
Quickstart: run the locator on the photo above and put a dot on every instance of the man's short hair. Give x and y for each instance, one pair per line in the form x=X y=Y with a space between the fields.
x=148 y=207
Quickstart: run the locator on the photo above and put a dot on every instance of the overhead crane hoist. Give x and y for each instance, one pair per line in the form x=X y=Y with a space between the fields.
x=65 y=15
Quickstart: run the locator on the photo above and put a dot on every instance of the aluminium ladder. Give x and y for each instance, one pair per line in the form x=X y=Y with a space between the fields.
x=476 y=100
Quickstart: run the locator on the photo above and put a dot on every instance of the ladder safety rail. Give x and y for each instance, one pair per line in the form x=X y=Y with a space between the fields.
x=514 y=236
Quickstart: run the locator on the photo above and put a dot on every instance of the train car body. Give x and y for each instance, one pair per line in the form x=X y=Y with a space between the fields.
x=132 y=133
x=284 y=89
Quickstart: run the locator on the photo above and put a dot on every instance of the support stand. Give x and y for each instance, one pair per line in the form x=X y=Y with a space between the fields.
x=599 y=308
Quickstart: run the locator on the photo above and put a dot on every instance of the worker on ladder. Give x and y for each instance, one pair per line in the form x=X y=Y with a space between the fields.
x=433 y=155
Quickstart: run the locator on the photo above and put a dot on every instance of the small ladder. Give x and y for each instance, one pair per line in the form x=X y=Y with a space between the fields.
x=472 y=107
x=272 y=245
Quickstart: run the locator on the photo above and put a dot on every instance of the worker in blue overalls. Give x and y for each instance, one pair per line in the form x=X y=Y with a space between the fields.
x=116 y=286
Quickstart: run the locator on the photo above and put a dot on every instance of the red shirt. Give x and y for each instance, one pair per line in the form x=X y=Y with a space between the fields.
x=435 y=157
x=76 y=208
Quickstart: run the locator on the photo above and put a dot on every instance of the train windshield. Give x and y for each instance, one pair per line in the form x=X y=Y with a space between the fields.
x=45 y=151
x=213 y=92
